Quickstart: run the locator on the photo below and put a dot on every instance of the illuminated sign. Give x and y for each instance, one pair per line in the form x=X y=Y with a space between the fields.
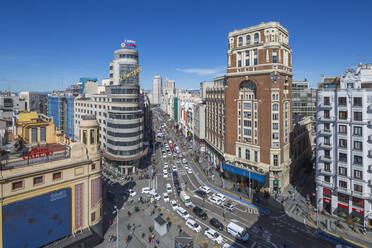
x=130 y=74
x=37 y=153
x=128 y=44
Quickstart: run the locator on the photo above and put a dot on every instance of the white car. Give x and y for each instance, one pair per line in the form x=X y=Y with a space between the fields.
x=146 y=190
x=215 y=200
x=189 y=171
x=193 y=225
x=132 y=193
x=169 y=154
x=156 y=196
x=165 y=171
x=205 y=189
x=165 y=175
x=186 y=167
x=174 y=204
x=174 y=168
x=219 y=196
x=165 y=166
x=184 y=161
x=164 y=155
x=213 y=235
x=165 y=197
x=169 y=188
x=226 y=245
x=183 y=213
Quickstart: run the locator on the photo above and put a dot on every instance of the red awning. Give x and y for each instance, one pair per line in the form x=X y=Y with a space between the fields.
x=358 y=210
x=344 y=206
x=327 y=200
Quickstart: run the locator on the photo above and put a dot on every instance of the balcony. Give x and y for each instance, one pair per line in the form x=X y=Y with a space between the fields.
x=369 y=108
x=343 y=190
x=325 y=172
x=324 y=159
x=322 y=183
x=362 y=195
x=370 y=138
x=326 y=119
x=324 y=106
x=326 y=146
x=369 y=154
x=325 y=132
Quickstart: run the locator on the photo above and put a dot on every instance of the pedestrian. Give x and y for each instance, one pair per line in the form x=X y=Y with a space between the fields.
x=110 y=222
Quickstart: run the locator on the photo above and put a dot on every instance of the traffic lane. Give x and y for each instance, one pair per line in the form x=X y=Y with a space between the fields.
x=286 y=230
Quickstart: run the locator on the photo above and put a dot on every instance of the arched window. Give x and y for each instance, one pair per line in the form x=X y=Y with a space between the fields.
x=249 y=86
x=275 y=107
x=247 y=154
x=240 y=41
x=256 y=37
x=248 y=39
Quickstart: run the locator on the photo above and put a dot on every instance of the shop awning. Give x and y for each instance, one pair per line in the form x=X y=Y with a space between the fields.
x=243 y=172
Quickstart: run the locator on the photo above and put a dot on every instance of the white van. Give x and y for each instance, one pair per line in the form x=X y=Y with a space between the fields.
x=183 y=213
x=237 y=231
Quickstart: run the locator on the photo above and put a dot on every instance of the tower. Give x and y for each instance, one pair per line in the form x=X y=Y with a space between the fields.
x=258 y=106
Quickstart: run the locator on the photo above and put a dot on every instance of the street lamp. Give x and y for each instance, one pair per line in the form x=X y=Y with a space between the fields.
x=117 y=226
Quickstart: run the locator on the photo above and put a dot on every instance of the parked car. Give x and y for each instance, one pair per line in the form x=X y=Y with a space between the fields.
x=146 y=190
x=213 y=235
x=201 y=193
x=217 y=224
x=193 y=225
x=200 y=213
x=215 y=200
x=165 y=197
x=169 y=188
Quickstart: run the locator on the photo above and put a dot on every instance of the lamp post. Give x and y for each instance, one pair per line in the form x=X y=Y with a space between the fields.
x=117 y=226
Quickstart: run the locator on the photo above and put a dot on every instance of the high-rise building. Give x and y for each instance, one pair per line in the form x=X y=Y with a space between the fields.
x=344 y=146
x=156 y=89
x=35 y=101
x=10 y=101
x=303 y=99
x=120 y=112
x=61 y=108
x=258 y=109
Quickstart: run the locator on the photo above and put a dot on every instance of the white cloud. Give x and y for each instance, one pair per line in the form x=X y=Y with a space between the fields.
x=202 y=72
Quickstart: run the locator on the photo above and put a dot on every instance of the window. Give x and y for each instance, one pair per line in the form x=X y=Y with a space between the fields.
x=342 y=143
x=342 y=184
x=274 y=59
x=247 y=123
x=342 y=115
x=327 y=179
x=343 y=198
x=38 y=180
x=255 y=61
x=85 y=137
x=275 y=116
x=42 y=134
x=92 y=136
x=247 y=106
x=239 y=122
x=247 y=53
x=93 y=218
x=342 y=171
x=358 y=188
x=17 y=185
x=358 y=160
x=247 y=132
x=358 y=174
x=247 y=154
x=255 y=51
x=326 y=114
x=256 y=38
x=327 y=126
x=358 y=116
x=275 y=126
x=342 y=129
x=327 y=154
x=33 y=135
x=93 y=166
x=239 y=63
x=247 y=62
x=357 y=131
x=248 y=39
x=275 y=160
x=275 y=136
x=326 y=101
x=240 y=41
x=342 y=101
x=327 y=141
x=275 y=107
x=342 y=157
x=247 y=114
x=327 y=192
x=239 y=152
x=255 y=156
x=358 y=202
x=327 y=167
x=358 y=145
x=357 y=101
x=57 y=175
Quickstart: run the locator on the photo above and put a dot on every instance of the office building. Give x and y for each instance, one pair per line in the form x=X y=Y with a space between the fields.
x=51 y=192
x=303 y=99
x=35 y=101
x=344 y=146
x=258 y=109
x=121 y=113
x=156 y=89
x=10 y=101
x=61 y=108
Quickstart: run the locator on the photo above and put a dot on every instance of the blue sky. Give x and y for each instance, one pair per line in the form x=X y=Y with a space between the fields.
x=46 y=45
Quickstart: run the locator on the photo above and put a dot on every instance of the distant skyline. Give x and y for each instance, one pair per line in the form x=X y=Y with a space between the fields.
x=49 y=45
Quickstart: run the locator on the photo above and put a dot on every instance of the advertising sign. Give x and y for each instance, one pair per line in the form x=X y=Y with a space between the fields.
x=38 y=153
x=128 y=44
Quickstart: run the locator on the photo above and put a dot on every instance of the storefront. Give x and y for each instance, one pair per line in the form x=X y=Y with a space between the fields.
x=244 y=177
x=327 y=200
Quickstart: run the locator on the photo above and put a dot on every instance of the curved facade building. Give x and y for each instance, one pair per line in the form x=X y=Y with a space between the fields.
x=120 y=112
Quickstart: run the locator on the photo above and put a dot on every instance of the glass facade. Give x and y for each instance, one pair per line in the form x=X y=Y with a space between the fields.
x=61 y=108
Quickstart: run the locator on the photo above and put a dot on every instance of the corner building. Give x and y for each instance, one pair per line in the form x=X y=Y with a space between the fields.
x=258 y=107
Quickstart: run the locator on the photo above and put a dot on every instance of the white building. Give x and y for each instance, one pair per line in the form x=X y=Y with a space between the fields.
x=344 y=146
x=156 y=89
